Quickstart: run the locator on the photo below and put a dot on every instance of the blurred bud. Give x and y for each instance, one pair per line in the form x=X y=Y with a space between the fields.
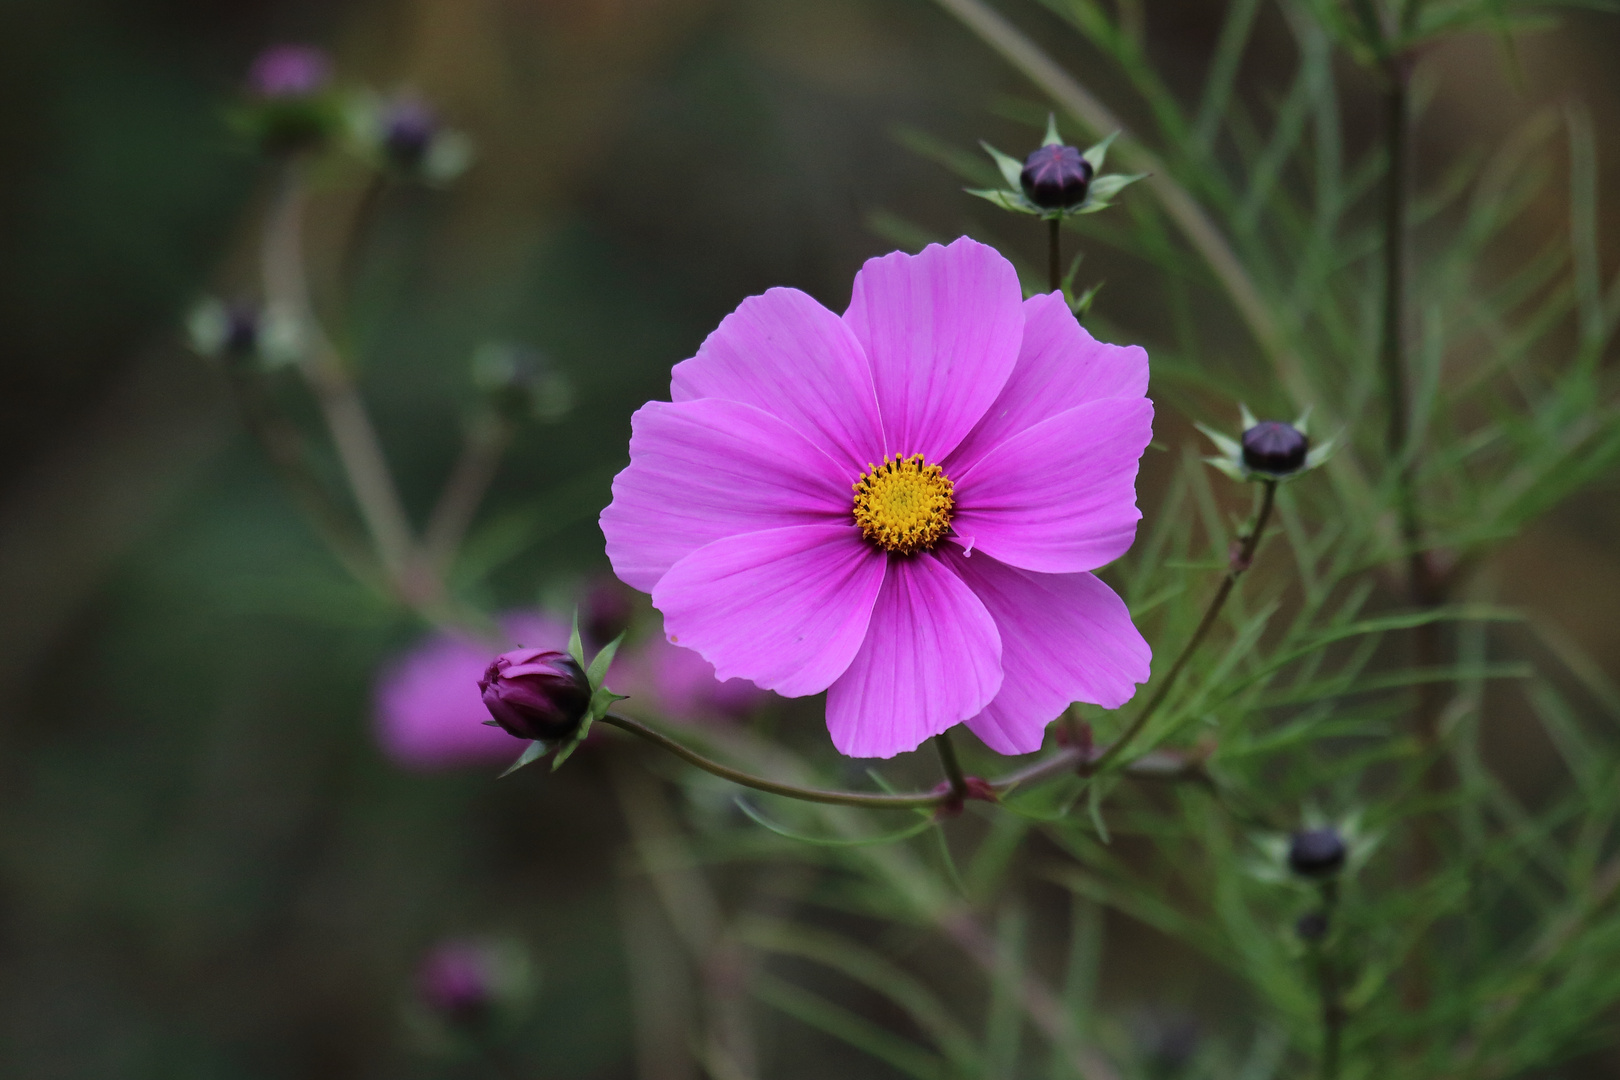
x=289 y=71
x=465 y=983
x=606 y=613
x=1275 y=447
x=521 y=383
x=536 y=694
x=1316 y=853
x=1312 y=926
x=1056 y=177
x=241 y=333
x=428 y=714
x=404 y=136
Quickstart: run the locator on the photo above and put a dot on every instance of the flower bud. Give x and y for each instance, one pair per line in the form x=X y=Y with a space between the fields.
x=282 y=72
x=1316 y=853
x=521 y=383
x=1272 y=446
x=408 y=130
x=536 y=693
x=464 y=983
x=1056 y=177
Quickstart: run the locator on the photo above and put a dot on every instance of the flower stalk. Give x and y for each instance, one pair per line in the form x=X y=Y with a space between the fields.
x=1241 y=560
x=1154 y=766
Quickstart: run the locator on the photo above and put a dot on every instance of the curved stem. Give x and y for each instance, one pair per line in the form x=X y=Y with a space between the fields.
x=1153 y=766
x=1239 y=563
x=759 y=783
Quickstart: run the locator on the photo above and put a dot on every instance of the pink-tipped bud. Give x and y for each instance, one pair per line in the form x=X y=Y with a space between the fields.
x=536 y=693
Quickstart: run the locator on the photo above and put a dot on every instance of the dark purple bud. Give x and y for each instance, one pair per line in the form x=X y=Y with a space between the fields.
x=458 y=981
x=408 y=130
x=1312 y=926
x=241 y=330
x=289 y=71
x=1316 y=853
x=1056 y=177
x=1275 y=447
x=536 y=693
x=607 y=614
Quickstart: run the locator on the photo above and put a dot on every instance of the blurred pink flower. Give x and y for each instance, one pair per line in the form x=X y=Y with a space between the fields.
x=667 y=682
x=289 y=71
x=429 y=714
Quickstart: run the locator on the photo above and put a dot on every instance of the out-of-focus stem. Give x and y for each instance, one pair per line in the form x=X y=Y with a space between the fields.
x=717 y=957
x=283 y=444
x=1054 y=254
x=1238 y=564
x=481 y=454
x=1328 y=988
x=359 y=450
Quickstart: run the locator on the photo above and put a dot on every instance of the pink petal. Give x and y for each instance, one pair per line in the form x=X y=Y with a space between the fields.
x=941 y=330
x=1059 y=497
x=1059 y=366
x=1064 y=638
x=701 y=470
x=931 y=659
x=796 y=360
x=785 y=609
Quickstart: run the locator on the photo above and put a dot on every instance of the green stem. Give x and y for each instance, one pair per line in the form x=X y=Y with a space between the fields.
x=1054 y=254
x=1328 y=990
x=1155 y=766
x=1239 y=564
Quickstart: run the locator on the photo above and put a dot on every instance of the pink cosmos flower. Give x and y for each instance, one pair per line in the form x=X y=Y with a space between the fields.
x=429 y=714
x=901 y=506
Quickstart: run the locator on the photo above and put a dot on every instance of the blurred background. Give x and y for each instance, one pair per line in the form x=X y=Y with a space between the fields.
x=208 y=868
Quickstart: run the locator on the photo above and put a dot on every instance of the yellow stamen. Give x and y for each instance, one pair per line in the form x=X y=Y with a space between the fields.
x=903 y=505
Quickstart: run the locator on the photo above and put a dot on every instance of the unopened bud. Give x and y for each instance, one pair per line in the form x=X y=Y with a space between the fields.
x=1316 y=853
x=1272 y=446
x=536 y=694
x=408 y=130
x=521 y=383
x=1056 y=177
x=465 y=983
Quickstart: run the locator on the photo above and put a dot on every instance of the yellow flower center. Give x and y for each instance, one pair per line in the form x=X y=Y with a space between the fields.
x=903 y=505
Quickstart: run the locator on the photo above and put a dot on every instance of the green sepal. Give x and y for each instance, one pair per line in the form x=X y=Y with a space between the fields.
x=599 y=666
x=1104 y=188
x=576 y=647
x=1052 y=136
x=1081 y=305
x=1097 y=152
x=1011 y=168
x=1007 y=200
x=531 y=753
x=1228 y=446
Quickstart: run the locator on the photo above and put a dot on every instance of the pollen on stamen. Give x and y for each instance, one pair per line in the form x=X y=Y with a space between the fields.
x=903 y=505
